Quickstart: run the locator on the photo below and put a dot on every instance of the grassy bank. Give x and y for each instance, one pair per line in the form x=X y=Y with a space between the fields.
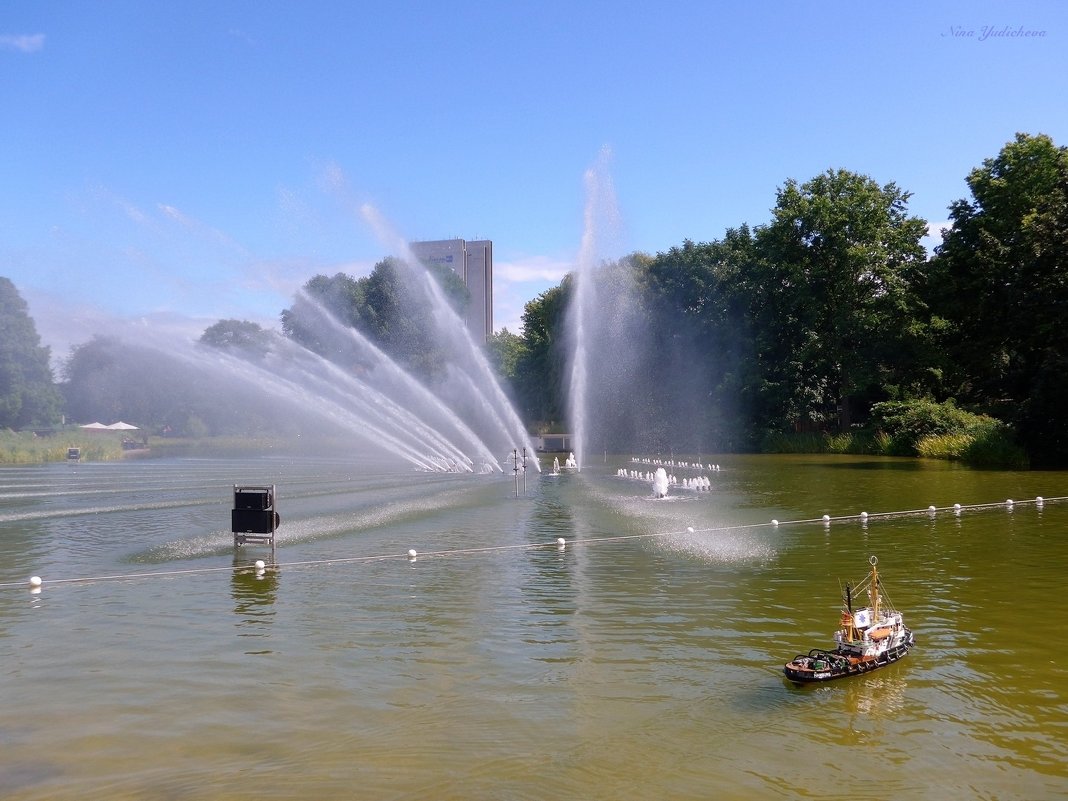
x=916 y=428
x=24 y=447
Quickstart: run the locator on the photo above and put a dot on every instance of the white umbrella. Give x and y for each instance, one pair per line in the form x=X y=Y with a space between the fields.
x=95 y=426
x=121 y=426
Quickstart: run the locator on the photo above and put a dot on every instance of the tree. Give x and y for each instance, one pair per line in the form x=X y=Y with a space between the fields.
x=342 y=296
x=92 y=375
x=392 y=307
x=836 y=301
x=504 y=350
x=540 y=368
x=110 y=379
x=238 y=335
x=28 y=395
x=699 y=303
x=1000 y=280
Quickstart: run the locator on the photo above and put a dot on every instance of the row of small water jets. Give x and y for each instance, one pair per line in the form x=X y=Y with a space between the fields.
x=672 y=463
x=663 y=481
x=692 y=483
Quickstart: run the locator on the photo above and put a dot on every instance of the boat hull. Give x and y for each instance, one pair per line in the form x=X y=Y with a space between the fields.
x=821 y=666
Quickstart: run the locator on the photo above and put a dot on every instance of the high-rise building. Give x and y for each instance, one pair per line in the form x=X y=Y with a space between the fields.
x=473 y=262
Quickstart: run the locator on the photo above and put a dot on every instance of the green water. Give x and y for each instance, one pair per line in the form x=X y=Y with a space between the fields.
x=642 y=661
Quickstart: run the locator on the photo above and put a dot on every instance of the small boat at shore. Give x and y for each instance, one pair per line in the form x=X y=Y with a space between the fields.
x=870 y=637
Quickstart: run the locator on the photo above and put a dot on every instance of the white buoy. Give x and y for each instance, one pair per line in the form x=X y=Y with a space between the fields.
x=1039 y=500
x=931 y=509
x=689 y=529
x=260 y=564
x=863 y=515
x=561 y=543
x=826 y=520
x=412 y=553
x=1009 y=502
x=775 y=522
x=35 y=581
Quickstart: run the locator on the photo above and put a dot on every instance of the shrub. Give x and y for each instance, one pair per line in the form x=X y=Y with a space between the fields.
x=905 y=423
x=994 y=447
x=942 y=431
x=944 y=446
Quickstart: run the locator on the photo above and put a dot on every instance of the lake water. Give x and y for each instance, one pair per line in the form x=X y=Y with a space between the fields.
x=642 y=661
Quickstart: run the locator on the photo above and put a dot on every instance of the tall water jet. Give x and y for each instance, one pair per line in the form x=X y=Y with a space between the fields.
x=600 y=223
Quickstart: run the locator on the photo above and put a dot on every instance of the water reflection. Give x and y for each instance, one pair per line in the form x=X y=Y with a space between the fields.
x=254 y=590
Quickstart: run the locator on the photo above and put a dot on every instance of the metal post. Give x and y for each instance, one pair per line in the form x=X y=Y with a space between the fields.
x=515 y=469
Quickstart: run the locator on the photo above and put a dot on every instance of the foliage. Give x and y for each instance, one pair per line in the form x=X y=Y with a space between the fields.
x=241 y=336
x=504 y=350
x=108 y=380
x=834 y=296
x=1000 y=281
x=910 y=423
x=28 y=396
x=991 y=447
x=697 y=299
x=850 y=442
x=994 y=447
x=825 y=329
x=391 y=307
x=539 y=384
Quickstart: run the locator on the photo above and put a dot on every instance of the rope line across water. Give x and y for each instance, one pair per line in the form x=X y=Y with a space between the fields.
x=558 y=543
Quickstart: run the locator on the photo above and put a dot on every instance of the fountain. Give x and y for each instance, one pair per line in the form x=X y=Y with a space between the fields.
x=648 y=370
x=600 y=217
x=464 y=424
x=472 y=383
x=660 y=483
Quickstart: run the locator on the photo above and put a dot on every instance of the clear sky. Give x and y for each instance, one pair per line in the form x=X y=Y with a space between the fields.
x=191 y=161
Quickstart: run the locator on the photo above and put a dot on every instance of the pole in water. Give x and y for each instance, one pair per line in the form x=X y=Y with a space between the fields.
x=524 y=470
x=515 y=469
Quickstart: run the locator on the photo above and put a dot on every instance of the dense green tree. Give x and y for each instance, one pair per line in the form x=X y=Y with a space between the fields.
x=504 y=350
x=1000 y=280
x=340 y=295
x=699 y=302
x=835 y=296
x=393 y=307
x=240 y=336
x=540 y=367
x=28 y=395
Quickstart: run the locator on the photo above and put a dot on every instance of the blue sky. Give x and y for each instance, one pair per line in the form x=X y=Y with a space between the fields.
x=186 y=162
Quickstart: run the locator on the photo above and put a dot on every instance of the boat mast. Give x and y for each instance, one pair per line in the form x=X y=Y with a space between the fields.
x=847 y=616
x=874 y=589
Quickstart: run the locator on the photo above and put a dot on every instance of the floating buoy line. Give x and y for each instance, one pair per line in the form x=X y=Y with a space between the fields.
x=260 y=567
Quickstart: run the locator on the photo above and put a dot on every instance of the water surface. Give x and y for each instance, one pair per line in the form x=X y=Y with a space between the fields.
x=641 y=661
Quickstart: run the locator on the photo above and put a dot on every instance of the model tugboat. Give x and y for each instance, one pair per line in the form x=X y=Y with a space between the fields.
x=869 y=638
